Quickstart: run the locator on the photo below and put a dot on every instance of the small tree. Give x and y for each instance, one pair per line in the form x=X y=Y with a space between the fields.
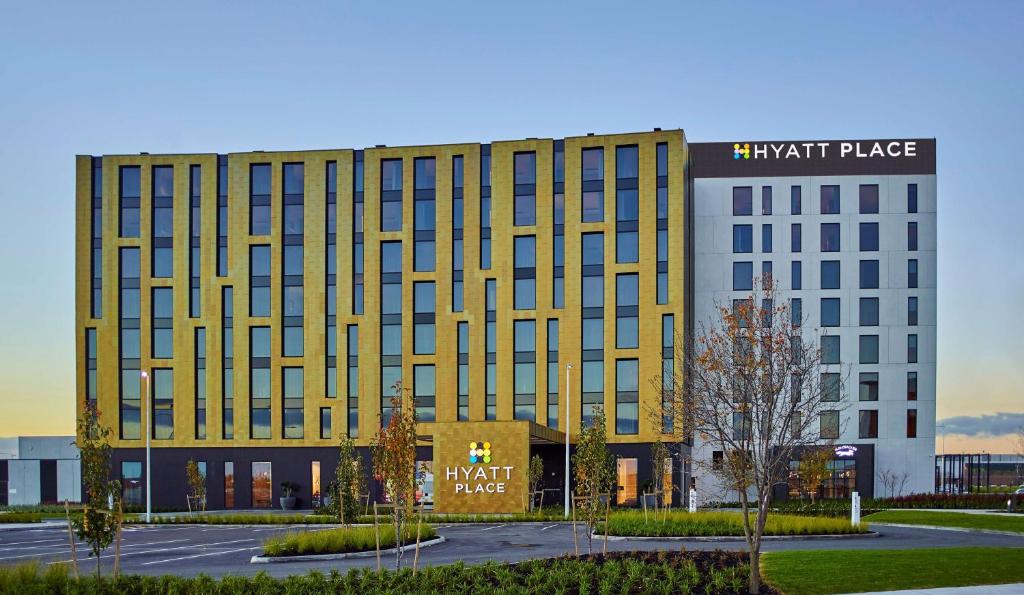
x=348 y=482
x=196 y=482
x=535 y=476
x=815 y=468
x=754 y=387
x=593 y=467
x=394 y=464
x=659 y=453
x=99 y=523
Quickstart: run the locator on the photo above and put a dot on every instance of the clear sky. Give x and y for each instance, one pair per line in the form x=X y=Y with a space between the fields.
x=95 y=78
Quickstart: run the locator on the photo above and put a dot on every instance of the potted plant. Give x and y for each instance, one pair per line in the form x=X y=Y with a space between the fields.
x=650 y=498
x=288 y=495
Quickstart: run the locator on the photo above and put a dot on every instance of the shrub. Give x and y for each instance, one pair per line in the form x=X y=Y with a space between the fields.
x=342 y=540
x=712 y=524
x=20 y=517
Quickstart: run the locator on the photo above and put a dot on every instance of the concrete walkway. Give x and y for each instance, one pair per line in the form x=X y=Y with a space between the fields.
x=1011 y=589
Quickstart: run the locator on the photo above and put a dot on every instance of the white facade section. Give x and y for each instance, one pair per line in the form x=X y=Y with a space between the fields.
x=24 y=468
x=713 y=281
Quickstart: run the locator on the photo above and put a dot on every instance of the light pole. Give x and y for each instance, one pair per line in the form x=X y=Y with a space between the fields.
x=568 y=418
x=145 y=376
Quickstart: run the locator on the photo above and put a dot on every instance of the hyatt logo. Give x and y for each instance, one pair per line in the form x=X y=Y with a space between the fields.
x=821 y=150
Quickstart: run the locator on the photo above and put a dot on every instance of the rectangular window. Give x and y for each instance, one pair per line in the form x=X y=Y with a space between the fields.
x=357 y=233
x=829 y=421
x=869 y=274
x=524 y=342
x=742 y=239
x=96 y=265
x=627 y=205
x=91 y=356
x=163 y=404
x=912 y=349
x=553 y=373
x=259 y=280
x=626 y=480
x=869 y=311
x=227 y=361
x=592 y=200
x=491 y=349
x=830 y=200
x=869 y=237
x=912 y=236
x=292 y=401
x=742 y=200
x=195 y=235
x=662 y=208
x=199 y=348
x=325 y=423
x=766 y=238
x=830 y=352
x=912 y=311
x=830 y=237
x=911 y=423
x=558 y=239
x=831 y=387
x=869 y=349
x=485 y=207
x=229 y=484
x=458 y=250
x=766 y=200
x=259 y=199
x=424 y=315
x=912 y=273
x=262 y=485
x=424 y=392
x=911 y=198
x=525 y=261
x=830 y=274
x=795 y=237
x=868 y=199
x=391 y=195
x=129 y=194
x=352 y=380
x=463 y=370
x=592 y=377
x=163 y=322
x=911 y=386
x=132 y=490
x=424 y=214
x=525 y=189
x=829 y=311
x=796 y=307
x=795 y=200
x=259 y=382
x=868 y=386
x=627 y=302
x=796 y=275
x=868 y=423
x=742 y=276
x=222 y=216
x=668 y=342
x=627 y=396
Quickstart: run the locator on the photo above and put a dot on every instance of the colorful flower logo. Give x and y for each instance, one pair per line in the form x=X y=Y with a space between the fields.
x=741 y=151
x=479 y=452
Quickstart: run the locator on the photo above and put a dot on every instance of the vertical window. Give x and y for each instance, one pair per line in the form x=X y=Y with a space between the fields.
x=91 y=355
x=742 y=200
x=868 y=199
x=912 y=273
x=766 y=200
x=627 y=314
x=627 y=396
x=795 y=237
x=912 y=311
x=796 y=275
x=742 y=239
x=424 y=392
x=163 y=221
x=830 y=349
x=259 y=382
x=259 y=199
x=200 y=382
x=194 y=240
x=129 y=195
x=163 y=404
x=868 y=423
x=391 y=324
x=229 y=484
x=869 y=311
x=525 y=369
x=131 y=482
x=424 y=214
x=912 y=349
x=331 y=283
x=357 y=233
x=795 y=200
x=463 y=370
x=592 y=175
x=868 y=385
x=491 y=346
x=292 y=393
x=766 y=238
x=869 y=274
x=458 y=224
x=163 y=323
x=485 y=207
x=525 y=287
x=829 y=311
x=912 y=236
x=262 y=485
x=314 y=470
x=627 y=205
x=829 y=425
x=553 y=373
x=830 y=274
x=96 y=245
x=592 y=375
x=293 y=253
x=558 y=255
x=625 y=470
x=424 y=313
x=830 y=237
x=259 y=280
x=911 y=386
x=525 y=188
x=662 y=223
x=130 y=343
x=869 y=237
x=352 y=380
x=222 y=215
x=742 y=276
x=911 y=423
x=830 y=200
x=911 y=198
x=227 y=354
x=668 y=342
x=391 y=195
x=796 y=312
x=869 y=349
x=831 y=387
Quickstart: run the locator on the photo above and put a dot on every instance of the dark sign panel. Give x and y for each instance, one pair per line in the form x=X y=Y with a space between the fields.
x=743 y=159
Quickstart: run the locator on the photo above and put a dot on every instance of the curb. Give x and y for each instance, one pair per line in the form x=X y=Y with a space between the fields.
x=957 y=529
x=733 y=538
x=327 y=557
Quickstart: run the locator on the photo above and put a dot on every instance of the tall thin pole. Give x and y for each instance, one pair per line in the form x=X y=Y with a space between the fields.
x=149 y=413
x=568 y=419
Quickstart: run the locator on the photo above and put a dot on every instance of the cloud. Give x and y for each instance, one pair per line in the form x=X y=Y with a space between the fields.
x=997 y=424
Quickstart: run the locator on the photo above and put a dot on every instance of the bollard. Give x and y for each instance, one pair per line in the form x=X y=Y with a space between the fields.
x=855 y=509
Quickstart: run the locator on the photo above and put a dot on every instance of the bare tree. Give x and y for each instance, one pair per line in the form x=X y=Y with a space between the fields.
x=754 y=386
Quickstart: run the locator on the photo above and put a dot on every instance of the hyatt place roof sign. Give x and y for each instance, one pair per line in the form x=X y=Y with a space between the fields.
x=744 y=159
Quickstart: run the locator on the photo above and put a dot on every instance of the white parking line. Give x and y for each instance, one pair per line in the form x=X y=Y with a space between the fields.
x=548 y=527
x=218 y=553
x=182 y=547
x=489 y=528
x=3 y=544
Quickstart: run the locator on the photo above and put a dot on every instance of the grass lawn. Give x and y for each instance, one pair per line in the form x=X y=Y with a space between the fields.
x=850 y=571
x=949 y=519
x=711 y=524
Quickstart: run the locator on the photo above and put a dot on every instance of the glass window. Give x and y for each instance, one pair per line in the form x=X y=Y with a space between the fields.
x=830 y=274
x=869 y=349
x=830 y=237
x=424 y=391
x=829 y=311
x=912 y=273
x=593 y=334
x=796 y=307
x=829 y=427
x=390 y=175
x=912 y=349
x=593 y=249
x=593 y=164
x=391 y=257
x=869 y=198
x=766 y=200
x=911 y=386
x=592 y=206
x=868 y=237
x=262 y=485
x=869 y=311
x=911 y=198
x=795 y=237
x=830 y=352
x=868 y=386
x=627 y=391
x=293 y=341
x=766 y=238
x=912 y=236
x=795 y=200
x=830 y=200
x=742 y=200
x=831 y=387
x=742 y=276
x=627 y=246
x=132 y=491
x=869 y=274
x=911 y=423
x=742 y=239
x=424 y=256
x=163 y=262
x=424 y=173
x=627 y=162
x=868 y=423
x=912 y=311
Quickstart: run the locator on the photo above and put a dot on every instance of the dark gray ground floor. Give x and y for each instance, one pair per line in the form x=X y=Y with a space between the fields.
x=221 y=550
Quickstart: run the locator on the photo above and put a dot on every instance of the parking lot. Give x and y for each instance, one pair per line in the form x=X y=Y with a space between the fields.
x=189 y=550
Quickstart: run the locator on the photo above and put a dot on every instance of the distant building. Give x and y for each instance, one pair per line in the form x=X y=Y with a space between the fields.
x=39 y=470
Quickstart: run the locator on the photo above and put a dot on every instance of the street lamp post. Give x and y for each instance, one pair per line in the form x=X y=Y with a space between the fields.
x=568 y=418
x=145 y=376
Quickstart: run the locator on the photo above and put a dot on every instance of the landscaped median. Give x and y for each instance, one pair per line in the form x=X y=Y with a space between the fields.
x=324 y=519
x=617 y=572
x=959 y=520
x=341 y=542
x=20 y=517
x=721 y=524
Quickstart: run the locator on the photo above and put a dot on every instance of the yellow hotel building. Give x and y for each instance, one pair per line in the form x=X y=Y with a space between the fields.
x=249 y=309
